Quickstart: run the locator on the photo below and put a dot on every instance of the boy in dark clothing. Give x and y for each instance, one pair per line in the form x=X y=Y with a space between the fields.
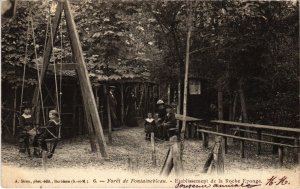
x=150 y=126
x=50 y=131
x=25 y=125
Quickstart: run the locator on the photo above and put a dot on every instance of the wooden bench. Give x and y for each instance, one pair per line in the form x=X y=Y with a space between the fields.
x=280 y=149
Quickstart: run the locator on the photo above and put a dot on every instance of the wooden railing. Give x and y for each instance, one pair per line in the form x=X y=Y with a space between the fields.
x=226 y=124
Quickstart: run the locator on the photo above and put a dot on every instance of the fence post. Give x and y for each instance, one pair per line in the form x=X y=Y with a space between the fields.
x=173 y=159
x=242 y=145
x=132 y=165
x=215 y=160
x=44 y=160
x=258 y=144
x=178 y=167
x=296 y=150
x=153 y=149
x=280 y=155
x=205 y=139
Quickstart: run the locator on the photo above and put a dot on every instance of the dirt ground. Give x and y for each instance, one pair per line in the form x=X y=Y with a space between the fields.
x=130 y=143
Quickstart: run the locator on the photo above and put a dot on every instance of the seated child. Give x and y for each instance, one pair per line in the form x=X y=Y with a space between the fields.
x=149 y=126
x=24 y=129
x=50 y=131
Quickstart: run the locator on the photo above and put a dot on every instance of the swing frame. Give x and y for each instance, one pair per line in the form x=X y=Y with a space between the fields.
x=90 y=107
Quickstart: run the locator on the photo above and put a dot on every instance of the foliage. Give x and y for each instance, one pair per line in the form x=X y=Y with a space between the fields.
x=254 y=43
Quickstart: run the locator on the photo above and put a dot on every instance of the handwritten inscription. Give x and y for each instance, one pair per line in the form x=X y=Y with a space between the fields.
x=277 y=181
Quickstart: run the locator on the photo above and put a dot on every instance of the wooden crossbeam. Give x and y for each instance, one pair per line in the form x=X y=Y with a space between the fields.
x=256 y=126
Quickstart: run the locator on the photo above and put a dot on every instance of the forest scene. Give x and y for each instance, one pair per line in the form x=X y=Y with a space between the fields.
x=223 y=68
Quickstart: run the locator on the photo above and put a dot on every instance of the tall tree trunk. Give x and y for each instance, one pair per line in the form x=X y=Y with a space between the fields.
x=169 y=93
x=186 y=74
x=179 y=96
x=108 y=116
x=220 y=106
x=230 y=109
x=234 y=106
x=243 y=102
x=122 y=105
x=15 y=107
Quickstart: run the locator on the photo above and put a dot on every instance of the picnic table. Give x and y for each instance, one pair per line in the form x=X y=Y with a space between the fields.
x=192 y=124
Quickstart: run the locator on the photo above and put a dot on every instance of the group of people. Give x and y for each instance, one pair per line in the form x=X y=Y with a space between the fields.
x=130 y=109
x=162 y=123
x=29 y=134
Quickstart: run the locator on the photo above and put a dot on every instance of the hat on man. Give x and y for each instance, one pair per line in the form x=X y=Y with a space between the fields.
x=160 y=101
x=112 y=87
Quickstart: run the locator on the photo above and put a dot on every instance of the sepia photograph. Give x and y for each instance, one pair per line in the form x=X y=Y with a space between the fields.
x=150 y=94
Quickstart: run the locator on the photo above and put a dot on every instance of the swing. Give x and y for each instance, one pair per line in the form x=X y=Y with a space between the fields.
x=45 y=147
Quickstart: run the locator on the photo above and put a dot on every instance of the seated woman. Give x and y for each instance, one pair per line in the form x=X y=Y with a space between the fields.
x=24 y=128
x=50 y=131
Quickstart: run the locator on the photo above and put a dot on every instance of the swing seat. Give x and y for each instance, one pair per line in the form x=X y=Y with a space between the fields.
x=48 y=143
x=51 y=145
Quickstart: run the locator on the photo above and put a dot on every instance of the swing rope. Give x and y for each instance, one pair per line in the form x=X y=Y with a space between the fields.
x=61 y=62
x=25 y=64
x=54 y=66
x=37 y=68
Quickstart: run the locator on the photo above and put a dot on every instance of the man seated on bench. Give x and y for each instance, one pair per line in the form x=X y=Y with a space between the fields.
x=50 y=131
x=169 y=122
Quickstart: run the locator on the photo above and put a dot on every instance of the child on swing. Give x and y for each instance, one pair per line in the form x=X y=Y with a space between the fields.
x=25 y=129
x=50 y=131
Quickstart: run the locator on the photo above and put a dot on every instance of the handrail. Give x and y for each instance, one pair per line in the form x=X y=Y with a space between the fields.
x=256 y=126
x=247 y=139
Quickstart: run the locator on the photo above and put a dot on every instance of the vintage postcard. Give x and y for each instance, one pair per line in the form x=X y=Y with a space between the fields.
x=150 y=94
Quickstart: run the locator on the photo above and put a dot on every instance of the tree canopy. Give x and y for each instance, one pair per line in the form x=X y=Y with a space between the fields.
x=248 y=44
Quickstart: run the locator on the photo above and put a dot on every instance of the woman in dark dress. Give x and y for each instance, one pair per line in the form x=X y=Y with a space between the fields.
x=25 y=125
x=161 y=111
x=131 y=119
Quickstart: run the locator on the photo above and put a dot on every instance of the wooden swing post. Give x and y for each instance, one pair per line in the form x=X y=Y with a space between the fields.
x=88 y=98
x=89 y=123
